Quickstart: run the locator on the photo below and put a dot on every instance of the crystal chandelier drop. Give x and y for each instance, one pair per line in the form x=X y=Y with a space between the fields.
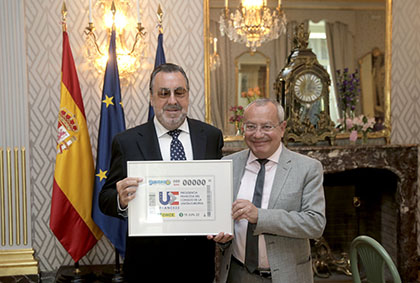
x=253 y=23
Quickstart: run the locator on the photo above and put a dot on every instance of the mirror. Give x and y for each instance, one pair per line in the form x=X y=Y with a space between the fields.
x=251 y=77
x=372 y=83
x=367 y=21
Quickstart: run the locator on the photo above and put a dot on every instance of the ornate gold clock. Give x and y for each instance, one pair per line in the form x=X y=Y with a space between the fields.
x=302 y=87
x=308 y=87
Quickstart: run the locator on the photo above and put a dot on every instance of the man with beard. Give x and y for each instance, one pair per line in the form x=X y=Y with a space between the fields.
x=171 y=135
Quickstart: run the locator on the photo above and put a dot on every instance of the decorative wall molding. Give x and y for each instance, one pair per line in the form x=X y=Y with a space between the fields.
x=16 y=253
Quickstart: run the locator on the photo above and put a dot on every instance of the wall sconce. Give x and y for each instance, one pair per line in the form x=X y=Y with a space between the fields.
x=106 y=12
x=214 y=57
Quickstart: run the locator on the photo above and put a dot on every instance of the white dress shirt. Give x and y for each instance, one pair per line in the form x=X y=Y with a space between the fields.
x=165 y=140
x=246 y=191
x=165 y=148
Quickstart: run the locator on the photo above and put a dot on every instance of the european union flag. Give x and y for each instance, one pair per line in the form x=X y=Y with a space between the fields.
x=112 y=122
x=159 y=60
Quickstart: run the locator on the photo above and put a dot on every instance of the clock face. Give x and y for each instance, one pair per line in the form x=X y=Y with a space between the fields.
x=308 y=87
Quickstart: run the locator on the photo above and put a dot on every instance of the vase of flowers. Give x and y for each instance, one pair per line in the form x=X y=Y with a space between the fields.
x=237 y=118
x=360 y=124
x=348 y=87
x=252 y=94
x=365 y=137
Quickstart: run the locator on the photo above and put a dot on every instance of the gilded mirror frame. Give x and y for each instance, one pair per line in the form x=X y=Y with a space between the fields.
x=386 y=133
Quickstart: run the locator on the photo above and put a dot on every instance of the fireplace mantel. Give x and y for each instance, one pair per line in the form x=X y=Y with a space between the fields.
x=402 y=160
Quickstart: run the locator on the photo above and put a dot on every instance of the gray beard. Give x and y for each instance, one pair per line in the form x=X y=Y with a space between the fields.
x=171 y=123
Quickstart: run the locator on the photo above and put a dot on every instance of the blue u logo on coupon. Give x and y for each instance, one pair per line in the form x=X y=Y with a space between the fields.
x=171 y=198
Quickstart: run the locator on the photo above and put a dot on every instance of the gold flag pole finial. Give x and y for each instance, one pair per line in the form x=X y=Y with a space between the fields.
x=160 y=18
x=113 y=11
x=63 y=16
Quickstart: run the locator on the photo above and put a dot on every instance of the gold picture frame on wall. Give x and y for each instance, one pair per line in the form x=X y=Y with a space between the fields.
x=383 y=134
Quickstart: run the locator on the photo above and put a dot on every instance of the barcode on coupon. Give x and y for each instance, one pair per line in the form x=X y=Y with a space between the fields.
x=209 y=201
x=152 y=199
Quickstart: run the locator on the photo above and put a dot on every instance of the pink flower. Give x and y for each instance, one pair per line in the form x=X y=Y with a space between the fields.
x=349 y=123
x=353 y=136
x=371 y=122
x=366 y=127
x=238 y=112
x=358 y=121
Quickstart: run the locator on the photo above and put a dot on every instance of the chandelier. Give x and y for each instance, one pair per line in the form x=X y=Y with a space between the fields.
x=117 y=13
x=253 y=23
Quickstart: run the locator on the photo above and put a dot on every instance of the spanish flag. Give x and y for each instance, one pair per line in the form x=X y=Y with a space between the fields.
x=71 y=204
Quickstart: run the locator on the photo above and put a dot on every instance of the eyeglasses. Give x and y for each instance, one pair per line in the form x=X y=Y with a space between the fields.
x=265 y=128
x=165 y=93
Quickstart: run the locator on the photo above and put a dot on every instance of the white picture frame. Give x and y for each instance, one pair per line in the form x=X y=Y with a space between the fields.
x=181 y=198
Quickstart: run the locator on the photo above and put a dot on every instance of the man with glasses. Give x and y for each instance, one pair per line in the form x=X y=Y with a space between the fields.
x=279 y=204
x=171 y=135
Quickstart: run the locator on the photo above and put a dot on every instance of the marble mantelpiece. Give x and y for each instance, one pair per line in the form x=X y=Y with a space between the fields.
x=402 y=160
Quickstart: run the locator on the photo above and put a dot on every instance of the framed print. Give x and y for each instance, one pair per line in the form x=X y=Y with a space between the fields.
x=181 y=198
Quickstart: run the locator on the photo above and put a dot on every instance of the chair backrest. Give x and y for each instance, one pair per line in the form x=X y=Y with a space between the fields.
x=373 y=258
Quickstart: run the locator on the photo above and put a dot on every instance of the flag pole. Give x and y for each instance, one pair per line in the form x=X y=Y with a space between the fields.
x=109 y=126
x=117 y=277
x=77 y=272
x=160 y=19
x=160 y=54
x=63 y=16
x=75 y=275
x=117 y=274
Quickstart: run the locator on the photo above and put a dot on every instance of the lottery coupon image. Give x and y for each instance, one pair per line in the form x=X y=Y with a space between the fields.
x=176 y=198
x=181 y=198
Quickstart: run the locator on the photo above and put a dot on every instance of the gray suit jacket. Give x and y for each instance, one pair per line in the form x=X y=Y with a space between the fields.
x=295 y=214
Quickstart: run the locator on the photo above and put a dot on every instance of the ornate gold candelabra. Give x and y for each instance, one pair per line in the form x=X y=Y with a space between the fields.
x=214 y=57
x=129 y=59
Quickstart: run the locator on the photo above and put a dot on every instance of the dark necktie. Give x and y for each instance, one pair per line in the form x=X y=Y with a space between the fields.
x=251 y=249
x=177 y=150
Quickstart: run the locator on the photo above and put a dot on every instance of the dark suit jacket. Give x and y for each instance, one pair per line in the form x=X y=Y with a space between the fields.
x=162 y=258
